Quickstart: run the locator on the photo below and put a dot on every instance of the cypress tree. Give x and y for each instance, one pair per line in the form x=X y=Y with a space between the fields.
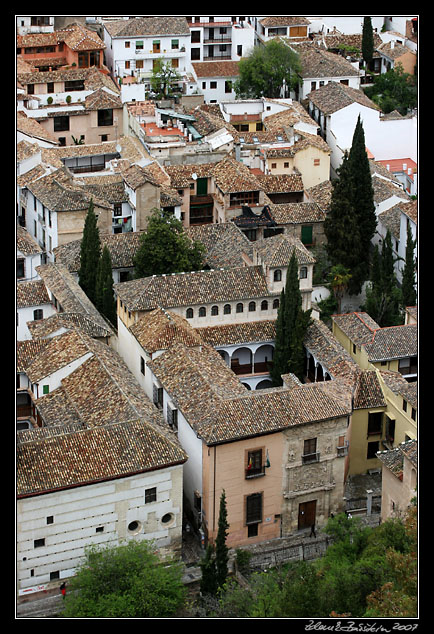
x=362 y=200
x=221 y=550
x=90 y=250
x=208 y=582
x=105 y=301
x=291 y=325
x=367 y=40
x=408 y=287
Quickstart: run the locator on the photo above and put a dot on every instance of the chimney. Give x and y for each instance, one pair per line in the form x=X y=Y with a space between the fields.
x=392 y=44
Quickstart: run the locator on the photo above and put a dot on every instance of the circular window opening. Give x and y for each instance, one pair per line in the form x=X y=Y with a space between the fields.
x=168 y=517
x=134 y=527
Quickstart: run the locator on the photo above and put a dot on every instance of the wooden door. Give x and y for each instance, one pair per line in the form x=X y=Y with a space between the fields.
x=306 y=514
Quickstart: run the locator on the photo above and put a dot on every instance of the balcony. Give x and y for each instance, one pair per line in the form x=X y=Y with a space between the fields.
x=343 y=451
x=254 y=472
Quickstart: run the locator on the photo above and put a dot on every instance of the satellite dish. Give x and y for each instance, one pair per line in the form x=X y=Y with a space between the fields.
x=118 y=148
x=194 y=176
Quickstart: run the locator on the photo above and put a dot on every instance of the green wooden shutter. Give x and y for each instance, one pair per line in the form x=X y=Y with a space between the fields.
x=306 y=234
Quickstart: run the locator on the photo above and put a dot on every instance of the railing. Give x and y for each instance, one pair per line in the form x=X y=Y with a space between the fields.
x=255 y=472
x=343 y=451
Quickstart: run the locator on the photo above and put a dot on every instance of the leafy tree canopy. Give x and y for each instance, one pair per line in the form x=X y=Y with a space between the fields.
x=394 y=90
x=165 y=248
x=265 y=70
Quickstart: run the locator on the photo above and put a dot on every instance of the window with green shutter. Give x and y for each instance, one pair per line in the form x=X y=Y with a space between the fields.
x=307 y=234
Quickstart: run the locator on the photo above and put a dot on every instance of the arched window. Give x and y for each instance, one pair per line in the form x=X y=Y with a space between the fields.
x=202 y=311
x=215 y=310
x=276 y=303
x=240 y=308
x=277 y=275
x=252 y=306
x=227 y=309
x=303 y=272
x=264 y=305
x=189 y=313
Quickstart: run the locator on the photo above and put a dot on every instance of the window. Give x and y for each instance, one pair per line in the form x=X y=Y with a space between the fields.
x=172 y=417
x=240 y=308
x=127 y=64
x=264 y=305
x=117 y=209
x=105 y=117
x=76 y=84
x=38 y=543
x=375 y=423
x=254 y=508
x=139 y=44
x=142 y=365
x=303 y=272
x=252 y=306
x=45 y=389
x=275 y=303
x=99 y=529
x=50 y=519
x=150 y=495
x=54 y=575
x=38 y=314
x=213 y=84
x=175 y=44
x=189 y=313
x=373 y=447
x=310 y=453
x=228 y=86
x=20 y=268
x=227 y=309
x=307 y=234
x=139 y=63
x=50 y=87
x=316 y=161
x=214 y=310
x=254 y=466
x=202 y=311
x=157 y=396
x=127 y=44
x=155 y=46
x=61 y=124
x=277 y=275
x=404 y=405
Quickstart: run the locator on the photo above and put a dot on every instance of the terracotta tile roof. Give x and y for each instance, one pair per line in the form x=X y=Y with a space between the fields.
x=216 y=69
x=181 y=175
x=225 y=244
x=278 y=183
x=32 y=128
x=231 y=176
x=58 y=353
x=199 y=287
x=231 y=334
x=122 y=248
x=69 y=294
x=409 y=449
x=26 y=244
x=367 y=391
x=383 y=190
x=393 y=459
x=395 y=52
x=278 y=249
x=131 y=150
x=27 y=350
x=333 y=41
x=136 y=175
x=148 y=26
x=358 y=326
x=161 y=329
x=66 y=459
x=326 y=349
x=92 y=77
x=394 y=342
x=32 y=175
x=284 y=20
x=398 y=385
x=76 y=36
x=100 y=99
x=296 y=213
x=66 y=321
x=32 y=294
x=321 y=194
x=26 y=150
x=58 y=192
x=317 y=63
x=335 y=96
x=391 y=220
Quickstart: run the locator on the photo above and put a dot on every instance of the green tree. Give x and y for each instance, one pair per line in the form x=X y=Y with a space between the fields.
x=394 y=90
x=221 y=549
x=165 y=248
x=362 y=199
x=383 y=296
x=90 y=251
x=164 y=77
x=105 y=300
x=208 y=581
x=291 y=325
x=265 y=71
x=127 y=581
x=367 y=40
x=408 y=287
x=339 y=280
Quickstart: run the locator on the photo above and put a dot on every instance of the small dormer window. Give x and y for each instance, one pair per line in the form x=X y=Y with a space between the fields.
x=303 y=272
x=277 y=275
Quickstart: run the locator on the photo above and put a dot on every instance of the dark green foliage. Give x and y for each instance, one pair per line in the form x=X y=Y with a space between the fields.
x=367 y=40
x=127 y=581
x=263 y=72
x=90 y=250
x=221 y=550
x=351 y=223
x=394 y=90
x=408 y=287
x=208 y=582
x=105 y=301
x=165 y=248
x=291 y=325
x=383 y=296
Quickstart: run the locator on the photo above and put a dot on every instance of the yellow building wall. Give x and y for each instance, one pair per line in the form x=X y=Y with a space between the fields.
x=358 y=460
x=314 y=166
